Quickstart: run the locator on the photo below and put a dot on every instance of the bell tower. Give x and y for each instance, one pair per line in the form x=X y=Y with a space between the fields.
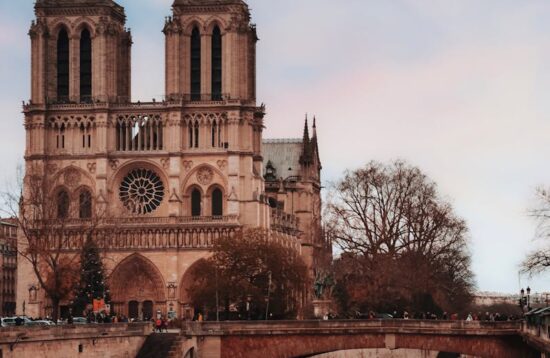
x=80 y=52
x=210 y=50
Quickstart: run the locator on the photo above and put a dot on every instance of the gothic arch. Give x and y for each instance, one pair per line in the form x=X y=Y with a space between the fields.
x=83 y=179
x=122 y=170
x=136 y=280
x=217 y=204
x=191 y=23
x=186 y=281
x=214 y=21
x=217 y=178
x=58 y=25
x=84 y=23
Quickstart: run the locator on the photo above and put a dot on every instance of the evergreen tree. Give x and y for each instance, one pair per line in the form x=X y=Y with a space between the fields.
x=92 y=283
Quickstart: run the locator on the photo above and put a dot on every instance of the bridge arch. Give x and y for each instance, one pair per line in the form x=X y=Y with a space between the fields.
x=311 y=338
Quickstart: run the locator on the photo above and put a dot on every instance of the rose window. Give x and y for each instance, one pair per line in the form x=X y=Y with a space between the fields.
x=141 y=191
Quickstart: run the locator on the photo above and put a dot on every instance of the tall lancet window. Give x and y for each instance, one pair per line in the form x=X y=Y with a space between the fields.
x=85 y=66
x=196 y=202
x=63 y=65
x=216 y=64
x=195 y=65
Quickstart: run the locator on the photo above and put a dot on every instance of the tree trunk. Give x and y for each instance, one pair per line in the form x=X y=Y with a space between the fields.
x=55 y=309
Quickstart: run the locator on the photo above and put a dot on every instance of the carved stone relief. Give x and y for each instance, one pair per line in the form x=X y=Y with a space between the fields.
x=205 y=176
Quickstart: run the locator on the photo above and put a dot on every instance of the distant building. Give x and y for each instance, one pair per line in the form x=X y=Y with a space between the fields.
x=8 y=266
x=494 y=298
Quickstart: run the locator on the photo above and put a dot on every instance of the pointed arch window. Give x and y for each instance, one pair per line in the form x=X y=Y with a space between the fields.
x=217 y=202
x=195 y=65
x=196 y=129
x=60 y=136
x=85 y=204
x=216 y=64
x=63 y=65
x=190 y=135
x=214 y=133
x=62 y=205
x=196 y=202
x=85 y=66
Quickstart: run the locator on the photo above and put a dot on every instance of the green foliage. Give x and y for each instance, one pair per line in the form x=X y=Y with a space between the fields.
x=92 y=283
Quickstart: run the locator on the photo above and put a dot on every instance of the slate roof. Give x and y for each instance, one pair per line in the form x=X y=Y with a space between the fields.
x=284 y=155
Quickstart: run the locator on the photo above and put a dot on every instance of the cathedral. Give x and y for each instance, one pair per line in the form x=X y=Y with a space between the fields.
x=171 y=176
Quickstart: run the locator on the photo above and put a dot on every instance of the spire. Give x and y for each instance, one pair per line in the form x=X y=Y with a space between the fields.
x=314 y=135
x=305 y=158
x=306 y=132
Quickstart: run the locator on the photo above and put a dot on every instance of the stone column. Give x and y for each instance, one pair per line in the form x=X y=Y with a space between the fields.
x=74 y=67
x=206 y=65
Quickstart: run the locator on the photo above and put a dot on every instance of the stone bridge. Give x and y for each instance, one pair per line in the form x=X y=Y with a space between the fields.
x=276 y=339
x=310 y=338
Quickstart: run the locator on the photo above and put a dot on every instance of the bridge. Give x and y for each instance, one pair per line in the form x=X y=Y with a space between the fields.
x=311 y=338
x=278 y=339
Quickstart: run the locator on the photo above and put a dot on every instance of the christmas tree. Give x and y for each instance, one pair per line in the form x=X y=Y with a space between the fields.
x=92 y=283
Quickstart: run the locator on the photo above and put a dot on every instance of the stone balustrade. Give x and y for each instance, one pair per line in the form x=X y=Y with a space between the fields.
x=284 y=223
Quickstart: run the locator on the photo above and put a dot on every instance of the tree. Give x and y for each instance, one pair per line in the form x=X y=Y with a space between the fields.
x=47 y=234
x=92 y=283
x=538 y=260
x=402 y=245
x=252 y=274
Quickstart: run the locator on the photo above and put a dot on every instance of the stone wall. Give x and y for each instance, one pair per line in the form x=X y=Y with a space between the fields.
x=105 y=341
x=308 y=338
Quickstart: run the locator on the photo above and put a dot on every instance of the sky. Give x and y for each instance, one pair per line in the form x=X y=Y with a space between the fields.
x=459 y=88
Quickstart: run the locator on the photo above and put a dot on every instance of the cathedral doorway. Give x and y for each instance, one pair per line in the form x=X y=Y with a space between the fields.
x=137 y=287
x=133 y=309
x=147 y=310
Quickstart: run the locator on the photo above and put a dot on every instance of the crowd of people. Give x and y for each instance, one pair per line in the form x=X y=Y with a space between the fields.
x=487 y=316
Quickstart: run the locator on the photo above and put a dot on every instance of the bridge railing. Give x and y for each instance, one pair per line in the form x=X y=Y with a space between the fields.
x=351 y=326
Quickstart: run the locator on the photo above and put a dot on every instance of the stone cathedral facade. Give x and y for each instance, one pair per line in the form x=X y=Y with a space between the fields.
x=170 y=176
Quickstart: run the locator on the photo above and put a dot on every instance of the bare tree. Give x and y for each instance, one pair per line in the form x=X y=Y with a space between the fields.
x=49 y=236
x=538 y=260
x=391 y=220
x=251 y=272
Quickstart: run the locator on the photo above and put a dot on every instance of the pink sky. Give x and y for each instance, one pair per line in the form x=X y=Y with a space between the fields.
x=458 y=88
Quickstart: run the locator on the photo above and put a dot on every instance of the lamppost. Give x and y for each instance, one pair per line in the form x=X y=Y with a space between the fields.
x=525 y=300
x=248 y=300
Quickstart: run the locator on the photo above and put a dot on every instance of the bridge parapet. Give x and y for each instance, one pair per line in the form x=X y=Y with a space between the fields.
x=308 y=338
x=473 y=328
x=92 y=340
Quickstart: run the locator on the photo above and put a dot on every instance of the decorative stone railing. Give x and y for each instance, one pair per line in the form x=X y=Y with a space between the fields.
x=136 y=238
x=125 y=103
x=283 y=222
x=144 y=220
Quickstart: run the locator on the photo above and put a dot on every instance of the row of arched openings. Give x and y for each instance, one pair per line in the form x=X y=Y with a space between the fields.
x=215 y=133
x=84 y=204
x=216 y=204
x=216 y=64
x=63 y=62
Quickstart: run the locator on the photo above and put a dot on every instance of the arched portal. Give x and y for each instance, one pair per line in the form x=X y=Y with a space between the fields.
x=137 y=282
x=187 y=307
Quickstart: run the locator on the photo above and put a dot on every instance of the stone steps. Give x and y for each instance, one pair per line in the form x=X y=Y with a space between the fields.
x=160 y=345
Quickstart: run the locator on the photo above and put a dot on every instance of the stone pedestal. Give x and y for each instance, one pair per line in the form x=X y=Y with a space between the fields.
x=321 y=308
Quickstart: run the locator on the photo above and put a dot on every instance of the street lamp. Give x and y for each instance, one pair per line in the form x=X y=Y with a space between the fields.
x=248 y=301
x=525 y=300
x=528 y=299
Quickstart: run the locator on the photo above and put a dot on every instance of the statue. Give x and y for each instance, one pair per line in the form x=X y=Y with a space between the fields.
x=323 y=285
